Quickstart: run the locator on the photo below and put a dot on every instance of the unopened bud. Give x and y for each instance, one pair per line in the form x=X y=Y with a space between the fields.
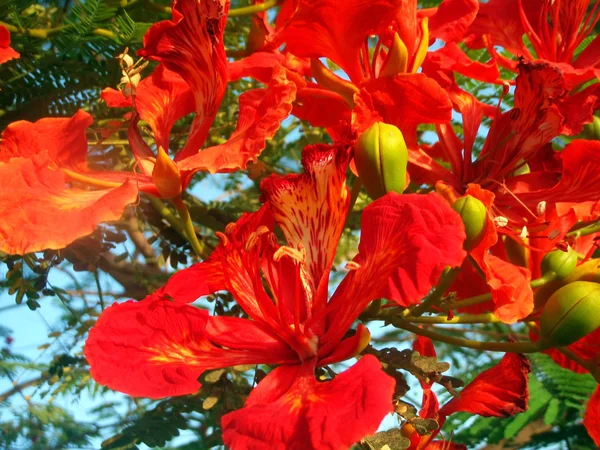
x=571 y=313
x=381 y=157
x=166 y=176
x=560 y=263
x=474 y=215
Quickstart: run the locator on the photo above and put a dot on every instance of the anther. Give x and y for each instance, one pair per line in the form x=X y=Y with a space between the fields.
x=541 y=208
x=500 y=221
x=352 y=265
x=223 y=238
x=230 y=227
x=290 y=252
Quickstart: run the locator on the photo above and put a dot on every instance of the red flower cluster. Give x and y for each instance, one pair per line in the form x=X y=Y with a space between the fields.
x=519 y=196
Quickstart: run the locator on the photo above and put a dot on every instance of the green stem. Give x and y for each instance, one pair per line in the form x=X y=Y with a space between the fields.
x=488 y=296
x=586 y=230
x=167 y=214
x=248 y=10
x=188 y=226
x=507 y=347
x=435 y=297
x=464 y=318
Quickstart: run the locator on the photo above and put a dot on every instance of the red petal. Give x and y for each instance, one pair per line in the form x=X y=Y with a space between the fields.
x=519 y=134
x=501 y=21
x=500 y=391
x=587 y=348
x=156 y=348
x=321 y=28
x=578 y=109
x=191 y=44
x=578 y=181
x=452 y=19
x=242 y=334
x=311 y=210
x=261 y=112
x=289 y=409
x=406 y=242
x=115 y=98
x=6 y=52
x=188 y=285
x=407 y=100
x=591 y=420
x=50 y=214
x=451 y=57
x=322 y=108
x=63 y=140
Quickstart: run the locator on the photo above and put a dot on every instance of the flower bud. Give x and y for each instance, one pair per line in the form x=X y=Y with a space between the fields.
x=560 y=263
x=166 y=176
x=474 y=215
x=381 y=157
x=571 y=313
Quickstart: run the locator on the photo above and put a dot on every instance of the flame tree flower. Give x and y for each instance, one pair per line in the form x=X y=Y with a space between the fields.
x=45 y=162
x=160 y=346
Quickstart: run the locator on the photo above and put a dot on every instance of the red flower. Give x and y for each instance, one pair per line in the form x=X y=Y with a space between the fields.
x=6 y=52
x=382 y=86
x=555 y=30
x=190 y=47
x=42 y=202
x=159 y=347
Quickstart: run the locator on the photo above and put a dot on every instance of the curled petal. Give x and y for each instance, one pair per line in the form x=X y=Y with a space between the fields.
x=500 y=20
x=406 y=242
x=320 y=28
x=311 y=208
x=63 y=140
x=6 y=52
x=452 y=18
x=261 y=113
x=289 y=409
x=500 y=391
x=191 y=45
x=156 y=348
x=591 y=419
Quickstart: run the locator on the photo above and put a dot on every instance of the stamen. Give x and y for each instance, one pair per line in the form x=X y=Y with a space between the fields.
x=352 y=265
x=223 y=238
x=524 y=233
x=294 y=254
x=500 y=221
x=251 y=242
x=541 y=208
x=230 y=227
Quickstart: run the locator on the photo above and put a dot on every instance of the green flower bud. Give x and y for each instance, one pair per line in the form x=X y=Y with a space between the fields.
x=571 y=313
x=381 y=157
x=474 y=216
x=560 y=263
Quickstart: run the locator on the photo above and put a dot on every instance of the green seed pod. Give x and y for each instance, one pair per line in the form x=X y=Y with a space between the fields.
x=571 y=313
x=474 y=216
x=560 y=263
x=381 y=157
